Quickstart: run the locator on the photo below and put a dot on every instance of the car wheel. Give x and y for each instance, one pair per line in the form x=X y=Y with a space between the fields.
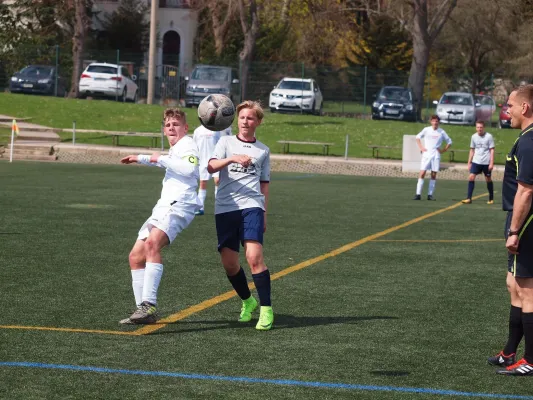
x=124 y=96
x=135 y=97
x=272 y=110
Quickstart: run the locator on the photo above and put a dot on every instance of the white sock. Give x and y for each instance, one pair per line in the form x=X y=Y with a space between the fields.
x=137 y=283
x=432 y=183
x=152 y=277
x=202 y=194
x=216 y=191
x=419 y=186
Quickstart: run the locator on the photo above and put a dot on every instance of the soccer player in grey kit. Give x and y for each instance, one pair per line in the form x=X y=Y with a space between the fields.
x=240 y=210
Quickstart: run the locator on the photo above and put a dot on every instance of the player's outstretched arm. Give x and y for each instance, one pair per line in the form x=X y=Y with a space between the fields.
x=129 y=159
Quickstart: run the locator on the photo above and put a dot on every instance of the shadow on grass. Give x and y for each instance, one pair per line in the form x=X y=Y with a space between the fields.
x=281 y=321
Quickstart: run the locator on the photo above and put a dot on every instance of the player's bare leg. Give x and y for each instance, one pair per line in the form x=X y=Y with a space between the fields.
x=237 y=278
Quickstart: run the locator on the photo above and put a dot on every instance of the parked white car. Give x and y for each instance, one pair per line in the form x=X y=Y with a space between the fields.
x=109 y=80
x=457 y=108
x=296 y=94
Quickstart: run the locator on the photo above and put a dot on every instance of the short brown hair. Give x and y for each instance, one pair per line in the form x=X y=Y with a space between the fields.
x=480 y=122
x=434 y=116
x=174 y=113
x=253 y=105
x=525 y=92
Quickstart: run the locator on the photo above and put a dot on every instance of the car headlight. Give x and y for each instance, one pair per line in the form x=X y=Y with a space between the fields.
x=43 y=81
x=307 y=97
x=190 y=88
x=375 y=104
x=276 y=95
x=224 y=90
x=14 y=79
x=409 y=107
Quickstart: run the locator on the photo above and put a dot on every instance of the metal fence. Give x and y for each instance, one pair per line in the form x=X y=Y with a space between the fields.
x=346 y=91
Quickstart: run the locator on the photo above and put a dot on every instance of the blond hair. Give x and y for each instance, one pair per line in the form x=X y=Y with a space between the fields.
x=174 y=113
x=253 y=105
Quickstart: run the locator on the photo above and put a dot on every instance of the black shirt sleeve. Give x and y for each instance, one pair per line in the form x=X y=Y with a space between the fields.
x=524 y=154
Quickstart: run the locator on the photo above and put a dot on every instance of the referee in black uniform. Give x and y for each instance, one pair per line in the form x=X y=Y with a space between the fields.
x=517 y=194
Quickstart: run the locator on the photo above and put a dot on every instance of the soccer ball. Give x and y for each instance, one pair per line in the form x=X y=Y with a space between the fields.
x=216 y=112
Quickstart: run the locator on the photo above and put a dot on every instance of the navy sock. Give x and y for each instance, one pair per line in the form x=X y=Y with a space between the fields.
x=490 y=186
x=262 y=284
x=240 y=284
x=471 y=185
x=516 y=331
x=527 y=323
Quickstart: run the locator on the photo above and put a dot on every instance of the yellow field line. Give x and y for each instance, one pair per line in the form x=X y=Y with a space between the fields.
x=440 y=240
x=228 y=295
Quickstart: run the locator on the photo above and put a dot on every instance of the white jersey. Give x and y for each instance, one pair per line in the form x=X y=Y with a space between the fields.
x=432 y=140
x=181 y=178
x=240 y=187
x=482 y=146
x=206 y=141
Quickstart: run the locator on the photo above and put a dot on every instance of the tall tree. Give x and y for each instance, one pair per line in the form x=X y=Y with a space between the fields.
x=249 y=17
x=426 y=26
x=81 y=26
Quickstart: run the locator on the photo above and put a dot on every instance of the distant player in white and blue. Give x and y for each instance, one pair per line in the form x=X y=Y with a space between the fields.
x=480 y=159
x=240 y=210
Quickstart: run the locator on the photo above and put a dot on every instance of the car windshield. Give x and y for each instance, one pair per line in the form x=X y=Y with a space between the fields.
x=294 y=85
x=210 y=74
x=456 y=99
x=35 y=70
x=394 y=94
x=102 y=69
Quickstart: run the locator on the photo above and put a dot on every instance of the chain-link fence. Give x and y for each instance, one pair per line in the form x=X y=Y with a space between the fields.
x=348 y=91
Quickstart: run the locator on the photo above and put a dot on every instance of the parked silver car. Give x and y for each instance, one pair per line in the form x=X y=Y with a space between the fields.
x=209 y=79
x=457 y=108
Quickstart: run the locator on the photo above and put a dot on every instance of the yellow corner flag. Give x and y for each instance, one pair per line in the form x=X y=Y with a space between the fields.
x=15 y=127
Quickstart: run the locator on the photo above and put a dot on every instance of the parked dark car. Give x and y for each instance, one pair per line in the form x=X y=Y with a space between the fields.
x=504 y=120
x=37 y=79
x=394 y=102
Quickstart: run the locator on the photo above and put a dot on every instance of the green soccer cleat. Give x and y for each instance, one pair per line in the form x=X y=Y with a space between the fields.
x=266 y=319
x=248 y=307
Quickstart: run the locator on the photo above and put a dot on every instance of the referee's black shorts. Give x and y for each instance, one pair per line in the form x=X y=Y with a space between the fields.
x=521 y=264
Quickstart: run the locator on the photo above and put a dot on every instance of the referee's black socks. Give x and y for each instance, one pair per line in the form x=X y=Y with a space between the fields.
x=516 y=331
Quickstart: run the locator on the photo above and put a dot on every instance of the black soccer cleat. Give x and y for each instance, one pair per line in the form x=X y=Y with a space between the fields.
x=501 y=360
x=520 y=368
x=430 y=197
x=417 y=197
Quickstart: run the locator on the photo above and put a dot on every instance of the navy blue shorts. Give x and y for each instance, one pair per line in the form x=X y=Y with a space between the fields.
x=235 y=227
x=477 y=169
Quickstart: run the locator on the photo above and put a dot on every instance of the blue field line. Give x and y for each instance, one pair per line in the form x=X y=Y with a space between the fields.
x=284 y=382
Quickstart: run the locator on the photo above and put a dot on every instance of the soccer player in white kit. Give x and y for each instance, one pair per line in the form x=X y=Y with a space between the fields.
x=206 y=141
x=433 y=136
x=480 y=159
x=173 y=213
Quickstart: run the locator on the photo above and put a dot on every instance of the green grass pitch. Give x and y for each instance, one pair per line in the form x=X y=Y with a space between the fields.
x=417 y=309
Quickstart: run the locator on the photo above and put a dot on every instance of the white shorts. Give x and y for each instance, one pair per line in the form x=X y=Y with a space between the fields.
x=204 y=175
x=430 y=162
x=171 y=219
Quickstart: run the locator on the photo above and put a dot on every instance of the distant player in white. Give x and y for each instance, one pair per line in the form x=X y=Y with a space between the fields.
x=206 y=141
x=433 y=136
x=173 y=213
x=480 y=159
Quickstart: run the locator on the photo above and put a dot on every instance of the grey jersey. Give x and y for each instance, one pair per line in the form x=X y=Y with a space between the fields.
x=239 y=187
x=482 y=146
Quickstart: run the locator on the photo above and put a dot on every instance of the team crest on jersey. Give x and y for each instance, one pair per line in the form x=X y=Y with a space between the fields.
x=250 y=169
